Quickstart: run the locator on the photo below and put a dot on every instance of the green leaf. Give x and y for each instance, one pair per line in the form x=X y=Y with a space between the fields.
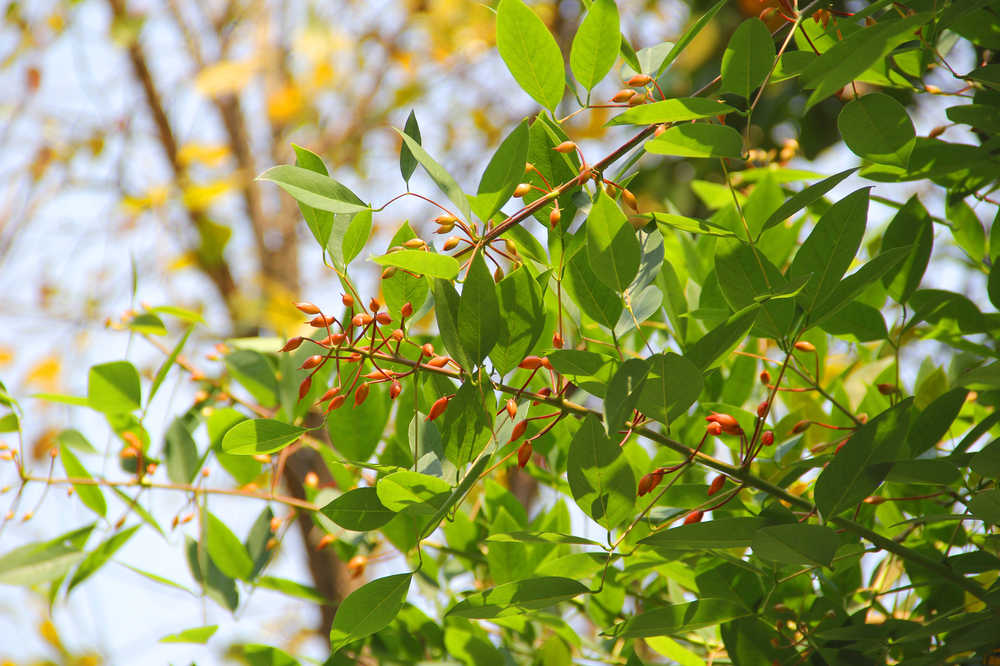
x=747 y=276
x=446 y=306
x=679 y=618
x=43 y=561
x=718 y=533
x=478 y=312
x=113 y=388
x=255 y=373
x=987 y=461
x=674 y=110
x=423 y=262
x=983 y=117
x=688 y=36
x=791 y=64
x=596 y=44
x=402 y=287
x=359 y=510
x=911 y=226
x=599 y=476
x=441 y=178
x=796 y=543
x=672 y=385
x=612 y=247
x=503 y=173
x=522 y=319
x=369 y=609
x=139 y=509
x=530 y=53
x=830 y=248
x=258 y=436
x=147 y=322
x=352 y=236
x=860 y=466
x=986 y=506
x=851 y=286
x=597 y=301
x=688 y=224
x=161 y=374
x=75 y=440
x=198 y=635
x=718 y=342
x=748 y=58
x=467 y=425
x=99 y=556
x=226 y=551
x=935 y=420
x=623 y=393
x=519 y=597
x=877 y=128
x=697 y=140
x=576 y=362
x=407 y=162
x=806 y=197
x=541 y=537
x=406 y=489
x=90 y=495
x=314 y=189
x=292 y=589
x=266 y=655
x=847 y=59
x=356 y=430
x=180 y=453
x=215 y=584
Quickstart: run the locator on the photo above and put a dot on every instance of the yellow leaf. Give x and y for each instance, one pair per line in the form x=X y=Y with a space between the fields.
x=285 y=103
x=224 y=78
x=45 y=374
x=207 y=154
x=201 y=196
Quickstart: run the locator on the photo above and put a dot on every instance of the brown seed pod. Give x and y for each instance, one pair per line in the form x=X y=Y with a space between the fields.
x=450 y=244
x=765 y=377
x=383 y=318
x=762 y=409
x=319 y=321
x=406 y=310
x=801 y=426
x=395 y=389
x=337 y=401
x=518 y=431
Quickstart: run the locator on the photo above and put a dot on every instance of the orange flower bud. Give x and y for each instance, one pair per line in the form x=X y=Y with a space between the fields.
x=498 y=274
x=886 y=389
x=801 y=426
x=555 y=216
x=395 y=389
x=427 y=349
x=275 y=524
x=639 y=80
x=727 y=422
x=311 y=480
x=374 y=305
x=518 y=430
x=361 y=319
x=360 y=394
x=325 y=541
x=873 y=499
x=438 y=408
x=406 y=310
x=630 y=200
x=312 y=362
x=307 y=308
x=530 y=363
x=511 y=408
x=767 y=439
x=660 y=129
x=804 y=346
x=543 y=392
x=292 y=344
x=398 y=335
x=451 y=244
x=388 y=272
x=319 y=321
x=716 y=485
x=383 y=318
x=524 y=454
x=356 y=566
x=305 y=386
x=337 y=401
x=694 y=517
x=438 y=362
x=334 y=339
x=446 y=219
x=522 y=189
x=649 y=481
x=565 y=147
x=347 y=300
x=623 y=95
x=557 y=340
x=714 y=429
x=637 y=100
x=765 y=377
x=330 y=392
x=762 y=409
x=415 y=243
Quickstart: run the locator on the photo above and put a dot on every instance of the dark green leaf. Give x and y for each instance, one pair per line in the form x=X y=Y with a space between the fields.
x=359 y=510
x=113 y=388
x=688 y=36
x=623 y=393
x=446 y=307
x=595 y=46
x=478 y=312
x=748 y=58
x=718 y=533
x=259 y=436
x=369 y=609
x=356 y=430
x=986 y=506
x=877 y=128
x=911 y=226
x=612 y=248
x=161 y=374
x=672 y=385
x=987 y=462
x=503 y=173
x=518 y=597
x=679 y=618
x=715 y=344
x=530 y=52
x=445 y=182
x=600 y=478
x=676 y=110
x=858 y=469
x=521 y=322
x=935 y=420
x=597 y=301
x=576 y=362
x=850 y=287
x=807 y=196
x=541 y=537
x=697 y=140
x=407 y=162
x=467 y=425
x=796 y=543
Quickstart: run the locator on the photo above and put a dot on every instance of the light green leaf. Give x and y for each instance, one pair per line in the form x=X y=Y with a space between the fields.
x=698 y=140
x=503 y=173
x=161 y=374
x=807 y=196
x=623 y=393
x=672 y=385
x=197 y=635
x=718 y=533
x=43 y=561
x=226 y=551
x=441 y=178
x=113 y=388
x=748 y=58
x=292 y=589
x=522 y=319
x=688 y=36
x=181 y=453
x=412 y=490
x=599 y=476
x=90 y=495
x=478 y=312
x=421 y=261
x=796 y=543
x=612 y=246
x=689 y=224
x=99 y=556
x=530 y=52
x=314 y=189
x=256 y=436
x=518 y=597
x=359 y=510
x=369 y=609
x=674 y=110
x=595 y=46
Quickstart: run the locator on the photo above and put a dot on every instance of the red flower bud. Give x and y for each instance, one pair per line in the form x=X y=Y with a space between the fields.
x=511 y=408
x=329 y=394
x=524 y=454
x=518 y=431
x=312 y=362
x=727 y=422
x=765 y=377
x=649 y=481
x=333 y=340
x=383 y=318
x=555 y=216
x=800 y=426
x=543 y=392
x=374 y=305
x=767 y=439
x=762 y=409
x=398 y=334
x=427 y=349
x=438 y=408
x=304 y=387
x=406 y=310
x=714 y=429
x=307 y=308
x=337 y=401
x=361 y=394
x=557 y=340
x=716 y=485
x=362 y=319
x=395 y=389
x=319 y=321
x=886 y=389
x=530 y=363
x=694 y=517
x=292 y=344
